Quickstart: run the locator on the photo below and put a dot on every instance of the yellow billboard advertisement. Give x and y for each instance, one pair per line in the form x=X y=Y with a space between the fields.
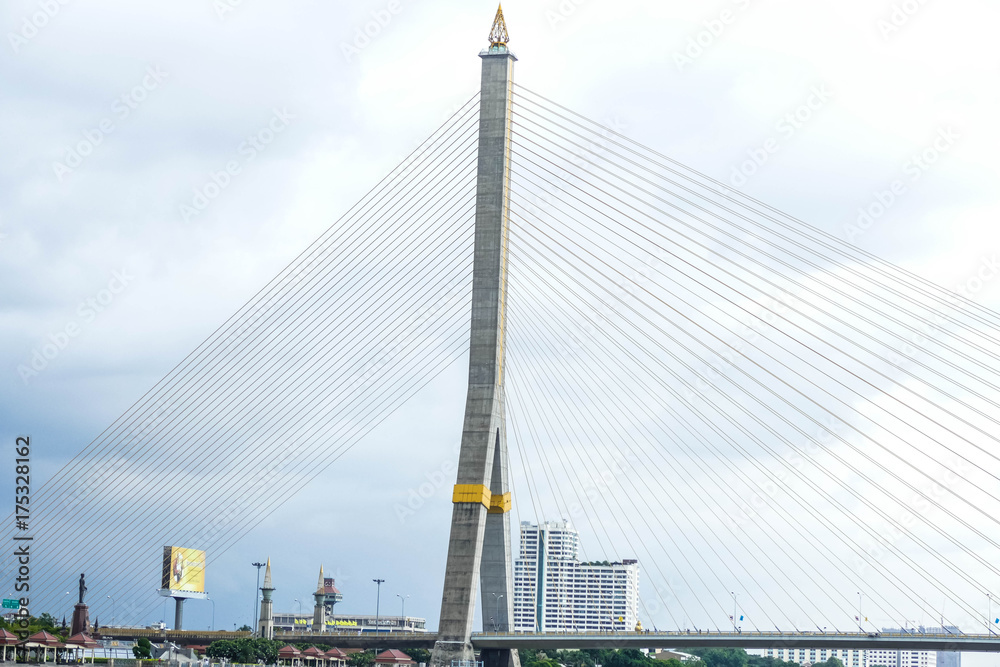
x=183 y=569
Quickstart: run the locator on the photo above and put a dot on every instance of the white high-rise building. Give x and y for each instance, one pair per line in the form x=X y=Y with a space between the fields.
x=553 y=590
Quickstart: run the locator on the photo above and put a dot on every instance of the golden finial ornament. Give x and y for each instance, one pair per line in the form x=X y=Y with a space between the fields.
x=498 y=33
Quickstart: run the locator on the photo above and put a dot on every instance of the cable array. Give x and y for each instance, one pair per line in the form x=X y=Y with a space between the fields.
x=784 y=417
x=356 y=325
x=762 y=414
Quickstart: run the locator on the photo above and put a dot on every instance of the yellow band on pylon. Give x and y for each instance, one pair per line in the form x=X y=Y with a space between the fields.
x=471 y=493
x=499 y=503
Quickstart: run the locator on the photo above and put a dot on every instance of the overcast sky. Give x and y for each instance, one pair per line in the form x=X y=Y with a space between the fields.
x=161 y=95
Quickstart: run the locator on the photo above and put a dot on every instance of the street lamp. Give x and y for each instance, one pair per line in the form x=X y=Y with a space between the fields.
x=498 y=597
x=378 y=594
x=989 y=613
x=298 y=602
x=213 y=613
x=860 y=627
x=402 y=608
x=734 y=609
x=112 y=610
x=256 y=620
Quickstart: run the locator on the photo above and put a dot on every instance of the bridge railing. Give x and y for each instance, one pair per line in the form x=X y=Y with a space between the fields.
x=724 y=633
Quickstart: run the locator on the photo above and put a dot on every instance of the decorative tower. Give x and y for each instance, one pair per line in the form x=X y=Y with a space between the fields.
x=479 y=549
x=266 y=628
x=319 y=611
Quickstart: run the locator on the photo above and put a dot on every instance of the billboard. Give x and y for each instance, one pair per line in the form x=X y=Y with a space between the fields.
x=183 y=569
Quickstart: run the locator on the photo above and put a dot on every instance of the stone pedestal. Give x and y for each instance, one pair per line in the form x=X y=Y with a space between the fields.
x=81 y=619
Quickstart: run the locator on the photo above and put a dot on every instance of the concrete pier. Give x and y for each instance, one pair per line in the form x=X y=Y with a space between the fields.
x=479 y=550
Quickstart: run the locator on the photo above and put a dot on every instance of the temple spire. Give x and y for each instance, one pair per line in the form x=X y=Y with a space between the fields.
x=320 y=587
x=498 y=33
x=267 y=577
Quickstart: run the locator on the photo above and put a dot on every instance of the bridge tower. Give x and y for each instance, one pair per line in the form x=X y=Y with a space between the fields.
x=479 y=549
x=266 y=626
x=319 y=611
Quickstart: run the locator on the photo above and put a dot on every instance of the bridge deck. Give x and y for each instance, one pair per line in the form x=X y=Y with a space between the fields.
x=746 y=640
x=579 y=640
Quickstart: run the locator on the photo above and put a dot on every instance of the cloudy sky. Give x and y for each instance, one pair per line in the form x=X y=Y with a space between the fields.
x=117 y=116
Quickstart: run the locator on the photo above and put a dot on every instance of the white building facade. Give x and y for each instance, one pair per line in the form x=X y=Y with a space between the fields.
x=872 y=657
x=810 y=656
x=553 y=590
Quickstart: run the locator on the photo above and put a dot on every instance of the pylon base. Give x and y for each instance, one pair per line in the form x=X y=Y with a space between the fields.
x=444 y=652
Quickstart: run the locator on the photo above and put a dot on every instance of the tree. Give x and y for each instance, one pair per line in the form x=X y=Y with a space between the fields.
x=363 y=659
x=768 y=661
x=419 y=655
x=47 y=621
x=723 y=657
x=245 y=650
x=142 y=650
x=574 y=659
x=830 y=662
x=245 y=628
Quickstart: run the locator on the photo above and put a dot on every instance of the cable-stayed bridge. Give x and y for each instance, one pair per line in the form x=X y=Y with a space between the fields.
x=697 y=379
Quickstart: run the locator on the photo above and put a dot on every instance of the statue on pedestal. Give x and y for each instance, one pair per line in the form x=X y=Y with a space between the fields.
x=81 y=615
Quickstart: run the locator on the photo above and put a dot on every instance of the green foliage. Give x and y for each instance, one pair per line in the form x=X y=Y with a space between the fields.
x=142 y=650
x=761 y=661
x=574 y=659
x=723 y=657
x=47 y=621
x=363 y=659
x=830 y=662
x=245 y=628
x=629 y=657
x=419 y=655
x=245 y=650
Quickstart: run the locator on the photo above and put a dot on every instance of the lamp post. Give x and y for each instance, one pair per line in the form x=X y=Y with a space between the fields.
x=402 y=608
x=733 y=593
x=112 y=610
x=213 y=613
x=496 y=619
x=860 y=627
x=256 y=593
x=378 y=595
x=989 y=613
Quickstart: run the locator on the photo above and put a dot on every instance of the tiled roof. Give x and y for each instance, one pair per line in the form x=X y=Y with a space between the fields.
x=395 y=656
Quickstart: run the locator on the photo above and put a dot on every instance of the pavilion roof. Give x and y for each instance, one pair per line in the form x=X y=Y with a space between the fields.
x=288 y=651
x=42 y=638
x=82 y=639
x=394 y=656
